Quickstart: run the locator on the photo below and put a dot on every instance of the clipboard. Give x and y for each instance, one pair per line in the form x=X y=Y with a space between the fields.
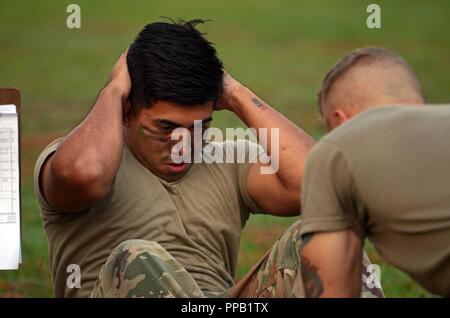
x=12 y=96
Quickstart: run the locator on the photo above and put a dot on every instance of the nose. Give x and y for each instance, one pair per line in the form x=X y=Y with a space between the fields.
x=180 y=141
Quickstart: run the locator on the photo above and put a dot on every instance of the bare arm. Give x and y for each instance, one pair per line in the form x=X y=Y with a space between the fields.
x=277 y=193
x=331 y=264
x=83 y=167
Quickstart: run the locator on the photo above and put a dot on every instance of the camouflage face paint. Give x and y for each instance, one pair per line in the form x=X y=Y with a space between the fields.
x=146 y=132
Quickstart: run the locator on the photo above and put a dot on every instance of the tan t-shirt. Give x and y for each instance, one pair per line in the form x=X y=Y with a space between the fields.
x=197 y=219
x=386 y=173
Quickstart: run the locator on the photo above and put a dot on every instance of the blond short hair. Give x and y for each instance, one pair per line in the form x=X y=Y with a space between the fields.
x=365 y=55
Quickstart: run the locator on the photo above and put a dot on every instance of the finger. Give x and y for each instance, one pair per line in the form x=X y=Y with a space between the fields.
x=124 y=54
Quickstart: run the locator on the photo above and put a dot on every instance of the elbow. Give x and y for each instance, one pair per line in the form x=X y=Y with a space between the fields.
x=86 y=178
x=292 y=204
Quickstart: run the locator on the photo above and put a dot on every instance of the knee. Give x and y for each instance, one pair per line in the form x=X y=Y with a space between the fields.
x=286 y=251
x=292 y=234
x=136 y=246
x=131 y=264
x=132 y=252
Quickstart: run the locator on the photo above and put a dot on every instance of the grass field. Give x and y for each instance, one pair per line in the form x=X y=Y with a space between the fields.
x=281 y=49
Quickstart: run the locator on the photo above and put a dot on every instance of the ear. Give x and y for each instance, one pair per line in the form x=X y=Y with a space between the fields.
x=127 y=113
x=340 y=116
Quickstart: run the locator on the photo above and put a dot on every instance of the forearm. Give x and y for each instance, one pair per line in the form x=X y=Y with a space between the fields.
x=331 y=264
x=293 y=145
x=92 y=151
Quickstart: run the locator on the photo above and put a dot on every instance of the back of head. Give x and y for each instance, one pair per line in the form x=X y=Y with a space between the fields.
x=367 y=78
x=173 y=62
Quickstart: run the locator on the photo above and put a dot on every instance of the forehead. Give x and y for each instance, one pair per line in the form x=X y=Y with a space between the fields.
x=181 y=114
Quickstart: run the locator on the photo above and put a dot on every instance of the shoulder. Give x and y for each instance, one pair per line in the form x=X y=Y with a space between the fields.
x=362 y=123
x=367 y=132
x=46 y=152
x=43 y=156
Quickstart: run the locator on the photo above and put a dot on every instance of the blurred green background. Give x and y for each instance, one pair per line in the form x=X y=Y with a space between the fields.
x=281 y=49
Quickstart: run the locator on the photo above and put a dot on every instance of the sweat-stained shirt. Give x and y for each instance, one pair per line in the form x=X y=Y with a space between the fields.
x=386 y=174
x=197 y=219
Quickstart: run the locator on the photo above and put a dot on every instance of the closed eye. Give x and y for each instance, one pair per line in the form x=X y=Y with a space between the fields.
x=167 y=128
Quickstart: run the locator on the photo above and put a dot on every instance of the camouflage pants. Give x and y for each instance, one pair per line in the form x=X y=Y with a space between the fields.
x=139 y=268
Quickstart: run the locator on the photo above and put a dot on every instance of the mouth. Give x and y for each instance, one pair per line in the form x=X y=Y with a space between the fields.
x=177 y=167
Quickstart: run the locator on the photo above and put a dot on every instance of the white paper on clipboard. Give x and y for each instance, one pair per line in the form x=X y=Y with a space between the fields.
x=10 y=237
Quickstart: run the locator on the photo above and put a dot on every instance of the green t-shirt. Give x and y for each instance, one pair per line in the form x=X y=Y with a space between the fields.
x=197 y=219
x=386 y=173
